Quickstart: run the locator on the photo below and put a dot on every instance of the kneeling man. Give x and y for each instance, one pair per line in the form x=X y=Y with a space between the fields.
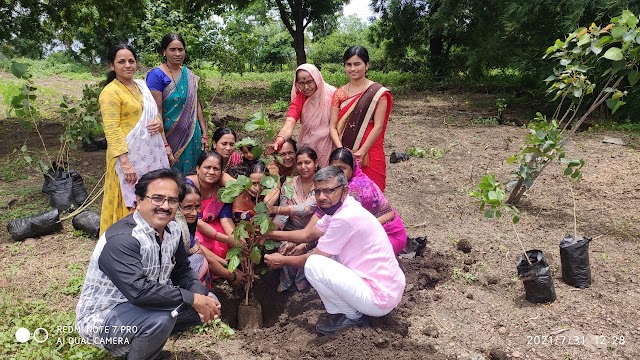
x=138 y=273
x=353 y=268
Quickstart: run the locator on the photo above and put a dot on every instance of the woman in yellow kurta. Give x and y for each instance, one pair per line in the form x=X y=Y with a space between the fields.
x=121 y=104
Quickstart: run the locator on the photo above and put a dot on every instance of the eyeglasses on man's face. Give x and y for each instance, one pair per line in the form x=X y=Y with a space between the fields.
x=158 y=200
x=328 y=191
x=308 y=83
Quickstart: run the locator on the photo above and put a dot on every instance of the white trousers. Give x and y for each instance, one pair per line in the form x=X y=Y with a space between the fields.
x=342 y=291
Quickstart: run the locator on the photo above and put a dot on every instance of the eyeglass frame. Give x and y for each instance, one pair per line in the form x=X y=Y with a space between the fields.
x=302 y=85
x=327 y=192
x=169 y=200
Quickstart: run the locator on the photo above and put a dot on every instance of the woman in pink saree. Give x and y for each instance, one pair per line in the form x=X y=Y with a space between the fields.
x=311 y=104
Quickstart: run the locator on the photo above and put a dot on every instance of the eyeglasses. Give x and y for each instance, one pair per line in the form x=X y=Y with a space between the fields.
x=309 y=83
x=190 y=208
x=327 y=192
x=158 y=200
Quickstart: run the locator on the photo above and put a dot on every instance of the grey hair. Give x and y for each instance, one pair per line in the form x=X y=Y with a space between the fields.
x=331 y=172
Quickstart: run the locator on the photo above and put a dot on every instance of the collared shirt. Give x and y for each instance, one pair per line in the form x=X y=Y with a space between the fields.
x=357 y=240
x=131 y=263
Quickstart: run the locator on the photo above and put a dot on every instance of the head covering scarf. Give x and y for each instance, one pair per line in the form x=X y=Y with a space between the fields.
x=314 y=118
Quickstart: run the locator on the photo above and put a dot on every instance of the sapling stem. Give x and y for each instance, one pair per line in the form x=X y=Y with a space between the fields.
x=522 y=246
x=575 y=221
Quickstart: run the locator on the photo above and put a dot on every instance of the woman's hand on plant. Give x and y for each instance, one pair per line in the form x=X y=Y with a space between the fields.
x=275 y=260
x=153 y=126
x=240 y=278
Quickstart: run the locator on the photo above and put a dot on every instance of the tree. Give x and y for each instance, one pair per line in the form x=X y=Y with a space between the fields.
x=297 y=15
x=330 y=48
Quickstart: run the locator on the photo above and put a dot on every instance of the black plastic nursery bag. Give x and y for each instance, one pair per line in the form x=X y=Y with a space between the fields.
x=536 y=277
x=87 y=221
x=574 y=257
x=34 y=226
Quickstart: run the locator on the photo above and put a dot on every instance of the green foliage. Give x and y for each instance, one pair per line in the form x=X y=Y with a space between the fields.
x=84 y=119
x=490 y=197
x=279 y=106
x=22 y=103
x=329 y=49
x=26 y=156
x=217 y=329
x=501 y=105
x=297 y=15
x=32 y=315
x=416 y=152
x=280 y=89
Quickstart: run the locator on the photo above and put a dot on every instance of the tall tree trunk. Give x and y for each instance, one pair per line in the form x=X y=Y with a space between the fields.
x=298 y=44
x=298 y=38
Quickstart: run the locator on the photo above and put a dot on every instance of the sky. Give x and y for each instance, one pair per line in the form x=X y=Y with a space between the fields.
x=359 y=8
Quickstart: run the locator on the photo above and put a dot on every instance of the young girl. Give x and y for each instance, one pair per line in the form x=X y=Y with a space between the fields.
x=203 y=262
x=244 y=203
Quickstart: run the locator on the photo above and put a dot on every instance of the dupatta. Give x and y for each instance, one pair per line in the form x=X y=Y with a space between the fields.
x=179 y=106
x=146 y=151
x=314 y=118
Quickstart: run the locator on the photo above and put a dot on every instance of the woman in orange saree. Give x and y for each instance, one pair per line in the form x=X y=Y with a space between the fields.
x=359 y=116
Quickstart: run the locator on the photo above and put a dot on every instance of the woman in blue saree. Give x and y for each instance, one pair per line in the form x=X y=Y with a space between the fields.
x=175 y=89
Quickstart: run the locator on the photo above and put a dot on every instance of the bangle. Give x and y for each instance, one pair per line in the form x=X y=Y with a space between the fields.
x=204 y=137
x=167 y=145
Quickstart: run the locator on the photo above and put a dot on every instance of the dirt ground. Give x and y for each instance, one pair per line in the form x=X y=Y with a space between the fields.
x=456 y=305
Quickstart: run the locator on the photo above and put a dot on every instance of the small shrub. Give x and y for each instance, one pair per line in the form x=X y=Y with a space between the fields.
x=280 y=88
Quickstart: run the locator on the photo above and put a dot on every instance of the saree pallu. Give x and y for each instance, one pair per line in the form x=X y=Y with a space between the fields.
x=146 y=151
x=355 y=122
x=180 y=120
x=211 y=208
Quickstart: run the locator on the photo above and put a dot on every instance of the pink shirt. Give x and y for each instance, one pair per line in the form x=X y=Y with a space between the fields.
x=357 y=240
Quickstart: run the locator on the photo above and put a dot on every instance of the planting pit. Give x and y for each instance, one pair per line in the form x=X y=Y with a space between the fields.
x=290 y=319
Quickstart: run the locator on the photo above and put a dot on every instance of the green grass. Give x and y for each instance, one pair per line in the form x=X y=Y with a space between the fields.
x=29 y=201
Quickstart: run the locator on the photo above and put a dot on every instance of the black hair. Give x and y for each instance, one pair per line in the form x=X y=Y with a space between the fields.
x=220 y=132
x=143 y=184
x=241 y=169
x=258 y=168
x=207 y=154
x=111 y=58
x=356 y=50
x=342 y=154
x=293 y=143
x=189 y=188
x=167 y=39
x=309 y=151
